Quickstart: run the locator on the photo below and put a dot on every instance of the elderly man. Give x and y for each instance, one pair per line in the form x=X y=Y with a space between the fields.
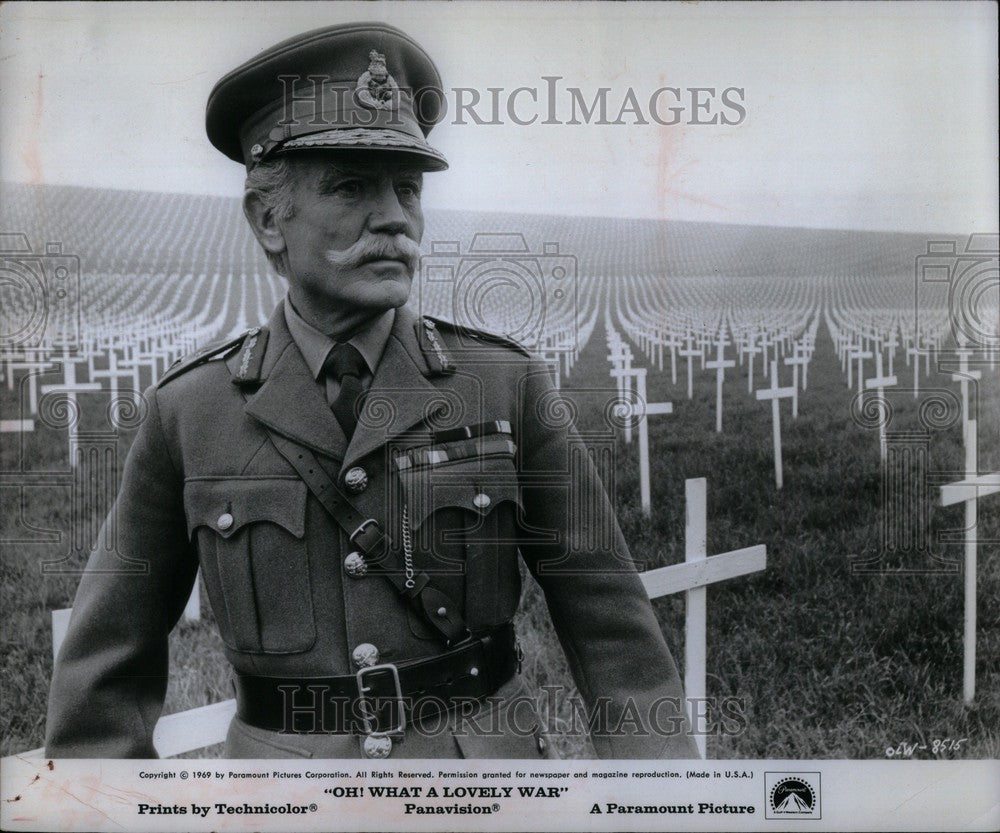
x=355 y=481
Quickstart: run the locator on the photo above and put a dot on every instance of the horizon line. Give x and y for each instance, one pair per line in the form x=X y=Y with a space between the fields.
x=642 y=218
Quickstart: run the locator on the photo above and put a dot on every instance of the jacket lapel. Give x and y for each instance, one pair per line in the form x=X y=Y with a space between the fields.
x=290 y=401
x=400 y=395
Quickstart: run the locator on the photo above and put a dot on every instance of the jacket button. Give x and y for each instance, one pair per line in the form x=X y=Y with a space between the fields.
x=482 y=500
x=225 y=521
x=355 y=565
x=365 y=655
x=376 y=747
x=356 y=480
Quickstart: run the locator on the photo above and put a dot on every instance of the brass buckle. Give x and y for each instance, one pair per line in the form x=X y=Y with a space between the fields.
x=361 y=528
x=367 y=713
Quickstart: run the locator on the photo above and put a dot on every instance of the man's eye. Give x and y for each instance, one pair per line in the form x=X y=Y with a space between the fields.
x=409 y=188
x=349 y=188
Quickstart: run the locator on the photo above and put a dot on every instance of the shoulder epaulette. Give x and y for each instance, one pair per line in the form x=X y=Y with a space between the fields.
x=437 y=358
x=480 y=335
x=213 y=350
x=251 y=357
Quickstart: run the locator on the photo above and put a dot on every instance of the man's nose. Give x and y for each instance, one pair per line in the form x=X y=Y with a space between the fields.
x=387 y=215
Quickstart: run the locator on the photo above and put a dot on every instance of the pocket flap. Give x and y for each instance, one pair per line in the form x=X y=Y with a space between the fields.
x=227 y=504
x=476 y=484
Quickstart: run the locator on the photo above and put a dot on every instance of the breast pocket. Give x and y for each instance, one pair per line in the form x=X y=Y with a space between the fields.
x=255 y=559
x=462 y=517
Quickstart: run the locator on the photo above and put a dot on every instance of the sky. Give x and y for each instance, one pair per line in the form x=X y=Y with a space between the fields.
x=857 y=115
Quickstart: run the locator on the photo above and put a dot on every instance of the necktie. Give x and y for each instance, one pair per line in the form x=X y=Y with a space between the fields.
x=346 y=364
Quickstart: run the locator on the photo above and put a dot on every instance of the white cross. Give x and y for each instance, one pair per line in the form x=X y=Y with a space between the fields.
x=136 y=359
x=891 y=345
x=35 y=367
x=752 y=350
x=71 y=387
x=963 y=377
x=917 y=352
x=797 y=361
x=719 y=365
x=860 y=354
x=805 y=350
x=690 y=352
x=703 y=341
x=643 y=409
x=880 y=383
x=765 y=342
x=673 y=343
x=843 y=347
x=625 y=377
x=774 y=393
x=692 y=578
x=969 y=491
x=114 y=373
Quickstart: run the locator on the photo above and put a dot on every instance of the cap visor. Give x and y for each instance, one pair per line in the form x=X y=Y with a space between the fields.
x=368 y=139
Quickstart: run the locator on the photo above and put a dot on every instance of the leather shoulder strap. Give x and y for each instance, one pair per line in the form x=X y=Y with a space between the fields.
x=369 y=537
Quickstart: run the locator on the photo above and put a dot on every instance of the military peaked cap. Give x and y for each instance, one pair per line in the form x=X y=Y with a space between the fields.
x=365 y=86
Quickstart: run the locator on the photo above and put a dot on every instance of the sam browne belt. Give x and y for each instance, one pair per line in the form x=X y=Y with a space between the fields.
x=378 y=699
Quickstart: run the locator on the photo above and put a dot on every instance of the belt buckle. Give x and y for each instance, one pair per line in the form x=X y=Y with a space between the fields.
x=361 y=528
x=367 y=711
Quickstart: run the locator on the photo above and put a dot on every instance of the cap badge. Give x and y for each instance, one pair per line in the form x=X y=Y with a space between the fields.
x=376 y=87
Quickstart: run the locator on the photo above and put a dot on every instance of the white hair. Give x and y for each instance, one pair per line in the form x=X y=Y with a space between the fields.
x=272 y=181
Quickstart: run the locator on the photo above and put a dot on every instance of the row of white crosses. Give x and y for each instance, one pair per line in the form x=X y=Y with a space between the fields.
x=969 y=491
x=689 y=331
x=118 y=348
x=696 y=343
x=878 y=338
x=867 y=347
x=123 y=351
x=860 y=339
x=633 y=404
x=562 y=340
x=927 y=345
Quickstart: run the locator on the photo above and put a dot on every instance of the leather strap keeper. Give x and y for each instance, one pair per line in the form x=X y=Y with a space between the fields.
x=335 y=705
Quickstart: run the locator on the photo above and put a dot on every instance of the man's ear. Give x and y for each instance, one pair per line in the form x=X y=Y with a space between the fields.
x=264 y=222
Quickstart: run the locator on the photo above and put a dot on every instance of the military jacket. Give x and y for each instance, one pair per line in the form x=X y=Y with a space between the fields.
x=205 y=486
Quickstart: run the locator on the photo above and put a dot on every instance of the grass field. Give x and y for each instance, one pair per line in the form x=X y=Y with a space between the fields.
x=830 y=663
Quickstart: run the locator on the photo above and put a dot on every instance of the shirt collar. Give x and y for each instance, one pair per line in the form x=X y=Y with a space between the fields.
x=315 y=345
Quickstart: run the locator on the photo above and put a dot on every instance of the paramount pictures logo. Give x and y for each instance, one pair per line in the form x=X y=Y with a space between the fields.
x=792 y=795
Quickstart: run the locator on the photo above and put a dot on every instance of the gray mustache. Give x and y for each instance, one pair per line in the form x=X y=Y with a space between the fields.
x=376 y=247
